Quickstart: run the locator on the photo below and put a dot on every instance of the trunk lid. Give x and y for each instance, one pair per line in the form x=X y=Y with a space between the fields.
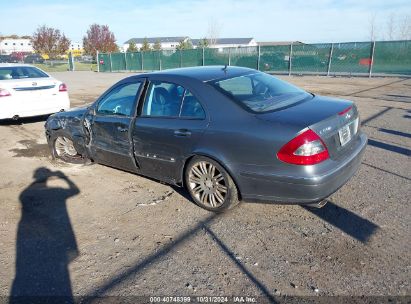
x=35 y=88
x=328 y=117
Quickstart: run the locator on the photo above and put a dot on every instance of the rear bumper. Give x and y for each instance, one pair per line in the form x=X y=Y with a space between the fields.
x=14 y=107
x=305 y=189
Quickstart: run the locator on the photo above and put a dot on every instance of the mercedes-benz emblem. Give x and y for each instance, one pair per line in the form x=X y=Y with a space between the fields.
x=34 y=84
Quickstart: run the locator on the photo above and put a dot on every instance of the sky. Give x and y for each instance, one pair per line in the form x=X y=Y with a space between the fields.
x=265 y=20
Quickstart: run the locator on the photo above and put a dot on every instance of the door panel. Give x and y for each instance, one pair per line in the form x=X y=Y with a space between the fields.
x=171 y=125
x=110 y=127
x=162 y=144
x=111 y=142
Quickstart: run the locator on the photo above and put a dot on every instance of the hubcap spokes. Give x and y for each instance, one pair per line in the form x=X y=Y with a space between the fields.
x=207 y=184
x=65 y=147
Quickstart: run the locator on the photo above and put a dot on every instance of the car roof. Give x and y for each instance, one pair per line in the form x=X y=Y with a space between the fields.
x=207 y=73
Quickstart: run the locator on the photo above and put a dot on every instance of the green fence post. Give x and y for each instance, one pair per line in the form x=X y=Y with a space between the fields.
x=142 y=64
x=181 y=59
x=372 y=59
x=70 y=62
x=125 y=60
x=289 y=59
x=98 y=62
x=329 y=59
x=202 y=59
x=159 y=58
x=111 y=62
x=258 y=57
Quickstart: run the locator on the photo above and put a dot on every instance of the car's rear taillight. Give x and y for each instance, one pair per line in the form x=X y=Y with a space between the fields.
x=63 y=87
x=4 y=93
x=305 y=149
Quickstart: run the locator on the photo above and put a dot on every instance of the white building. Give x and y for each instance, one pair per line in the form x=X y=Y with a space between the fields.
x=221 y=43
x=8 y=46
x=76 y=46
x=167 y=43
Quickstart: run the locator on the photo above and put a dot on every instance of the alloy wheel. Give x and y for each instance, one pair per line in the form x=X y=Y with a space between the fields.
x=65 y=148
x=207 y=184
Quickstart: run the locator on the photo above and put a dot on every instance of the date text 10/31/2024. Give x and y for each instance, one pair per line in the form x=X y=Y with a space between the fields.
x=206 y=299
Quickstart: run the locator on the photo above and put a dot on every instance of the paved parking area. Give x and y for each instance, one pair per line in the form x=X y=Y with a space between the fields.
x=110 y=232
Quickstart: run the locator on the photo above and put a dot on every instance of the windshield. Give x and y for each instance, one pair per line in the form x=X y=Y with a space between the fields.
x=21 y=72
x=260 y=92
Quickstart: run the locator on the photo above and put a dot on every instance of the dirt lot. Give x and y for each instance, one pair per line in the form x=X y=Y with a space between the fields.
x=101 y=231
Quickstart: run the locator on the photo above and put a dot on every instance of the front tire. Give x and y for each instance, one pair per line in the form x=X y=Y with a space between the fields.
x=62 y=147
x=209 y=185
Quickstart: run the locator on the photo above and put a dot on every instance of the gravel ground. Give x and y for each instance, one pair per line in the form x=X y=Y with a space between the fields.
x=94 y=230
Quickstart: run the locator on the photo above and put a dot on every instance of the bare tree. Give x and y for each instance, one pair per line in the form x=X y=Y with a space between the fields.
x=391 y=27
x=404 y=32
x=213 y=32
x=373 y=27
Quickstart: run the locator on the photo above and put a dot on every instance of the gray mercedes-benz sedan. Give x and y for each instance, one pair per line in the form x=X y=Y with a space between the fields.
x=225 y=133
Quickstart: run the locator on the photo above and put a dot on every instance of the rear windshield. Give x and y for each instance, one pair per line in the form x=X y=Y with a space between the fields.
x=260 y=92
x=22 y=72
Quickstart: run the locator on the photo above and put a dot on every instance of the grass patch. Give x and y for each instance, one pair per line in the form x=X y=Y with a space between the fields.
x=63 y=66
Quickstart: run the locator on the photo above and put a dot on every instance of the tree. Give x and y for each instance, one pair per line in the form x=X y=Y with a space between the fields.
x=405 y=28
x=203 y=43
x=157 y=45
x=132 y=47
x=49 y=41
x=184 y=45
x=145 y=46
x=373 y=28
x=213 y=32
x=391 y=27
x=99 y=38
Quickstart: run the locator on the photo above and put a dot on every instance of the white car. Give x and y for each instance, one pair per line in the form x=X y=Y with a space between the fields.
x=26 y=91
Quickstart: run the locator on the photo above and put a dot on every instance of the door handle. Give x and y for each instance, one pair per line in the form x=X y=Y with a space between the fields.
x=122 y=129
x=182 y=133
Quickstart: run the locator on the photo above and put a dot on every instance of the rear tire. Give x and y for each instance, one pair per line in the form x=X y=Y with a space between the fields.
x=62 y=147
x=209 y=185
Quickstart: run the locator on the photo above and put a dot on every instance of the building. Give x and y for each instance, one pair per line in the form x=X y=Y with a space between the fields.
x=9 y=45
x=171 y=43
x=76 y=48
x=167 y=43
x=221 y=43
x=278 y=43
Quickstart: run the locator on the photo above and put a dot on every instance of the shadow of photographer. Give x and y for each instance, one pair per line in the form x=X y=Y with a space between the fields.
x=46 y=243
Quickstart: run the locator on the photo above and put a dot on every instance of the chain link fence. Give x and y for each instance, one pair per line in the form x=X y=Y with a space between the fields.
x=353 y=58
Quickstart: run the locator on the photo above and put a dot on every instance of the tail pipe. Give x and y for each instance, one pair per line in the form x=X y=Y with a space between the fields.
x=318 y=205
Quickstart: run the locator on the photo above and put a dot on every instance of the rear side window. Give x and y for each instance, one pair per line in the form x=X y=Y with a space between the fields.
x=24 y=72
x=171 y=100
x=191 y=107
x=163 y=99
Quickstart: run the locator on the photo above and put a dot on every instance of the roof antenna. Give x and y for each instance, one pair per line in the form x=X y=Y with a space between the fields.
x=225 y=68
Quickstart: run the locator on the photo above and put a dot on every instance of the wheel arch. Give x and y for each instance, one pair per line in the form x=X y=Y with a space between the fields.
x=74 y=135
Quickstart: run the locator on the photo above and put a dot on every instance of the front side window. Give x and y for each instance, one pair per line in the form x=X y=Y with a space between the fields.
x=120 y=101
x=260 y=92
